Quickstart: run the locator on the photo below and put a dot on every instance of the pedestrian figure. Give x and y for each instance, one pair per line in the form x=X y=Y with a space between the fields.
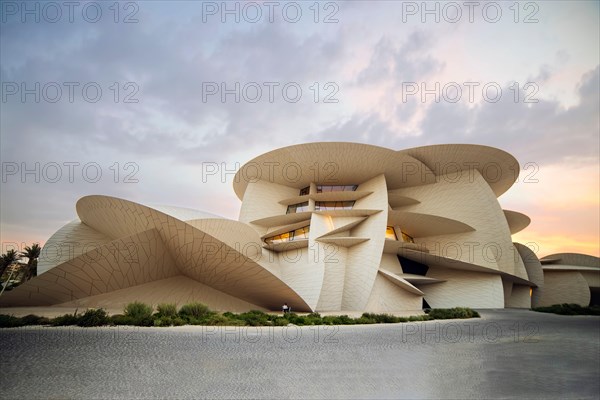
x=286 y=308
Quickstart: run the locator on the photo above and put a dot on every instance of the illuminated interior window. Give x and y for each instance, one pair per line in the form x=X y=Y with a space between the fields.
x=530 y=291
x=333 y=205
x=407 y=238
x=336 y=188
x=296 y=208
x=305 y=191
x=300 y=233
x=390 y=233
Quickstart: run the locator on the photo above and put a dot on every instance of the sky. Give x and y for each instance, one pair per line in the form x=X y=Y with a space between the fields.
x=140 y=100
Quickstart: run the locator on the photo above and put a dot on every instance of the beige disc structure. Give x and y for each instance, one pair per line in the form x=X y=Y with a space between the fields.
x=332 y=227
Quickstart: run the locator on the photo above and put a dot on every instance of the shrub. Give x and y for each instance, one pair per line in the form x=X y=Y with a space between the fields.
x=139 y=314
x=166 y=310
x=257 y=318
x=64 y=320
x=93 y=317
x=569 y=309
x=35 y=320
x=218 y=319
x=296 y=319
x=163 y=321
x=194 y=311
x=280 y=321
x=338 y=320
x=137 y=310
x=120 y=319
x=10 y=321
x=365 y=320
x=381 y=318
x=313 y=319
x=450 y=313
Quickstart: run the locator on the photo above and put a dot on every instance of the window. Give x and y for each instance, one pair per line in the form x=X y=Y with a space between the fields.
x=296 y=208
x=412 y=267
x=407 y=238
x=333 y=205
x=336 y=188
x=305 y=191
x=390 y=233
x=300 y=233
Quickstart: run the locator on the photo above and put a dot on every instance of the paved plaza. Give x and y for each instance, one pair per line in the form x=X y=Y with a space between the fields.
x=505 y=354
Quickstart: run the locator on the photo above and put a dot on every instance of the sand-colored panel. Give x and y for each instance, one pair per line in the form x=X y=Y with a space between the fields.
x=387 y=297
x=564 y=287
x=463 y=289
x=120 y=264
x=178 y=289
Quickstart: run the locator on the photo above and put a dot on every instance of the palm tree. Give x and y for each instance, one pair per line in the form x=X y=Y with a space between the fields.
x=7 y=259
x=32 y=253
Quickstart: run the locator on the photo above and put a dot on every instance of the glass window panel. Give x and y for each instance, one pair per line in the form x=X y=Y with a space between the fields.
x=407 y=238
x=296 y=208
x=390 y=233
x=336 y=188
x=300 y=233
x=333 y=205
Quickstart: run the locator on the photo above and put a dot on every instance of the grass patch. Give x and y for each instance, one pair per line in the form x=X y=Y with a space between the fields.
x=569 y=309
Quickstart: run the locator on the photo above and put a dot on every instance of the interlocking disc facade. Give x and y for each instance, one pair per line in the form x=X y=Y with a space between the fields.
x=322 y=227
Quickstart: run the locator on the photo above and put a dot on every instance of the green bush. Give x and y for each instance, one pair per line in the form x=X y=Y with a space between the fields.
x=35 y=320
x=120 y=319
x=194 y=311
x=255 y=318
x=163 y=321
x=296 y=319
x=338 y=320
x=569 y=309
x=167 y=310
x=139 y=313
x=280 y=321
x=66 y=319
x=313 y=319
x=94 y=317
x=137 y=310
x=10 y=321
x=381 y=318
x=218 y=319
x=451 y=313
x=365 y=320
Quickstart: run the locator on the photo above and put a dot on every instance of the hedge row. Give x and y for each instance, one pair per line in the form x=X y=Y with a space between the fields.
x=140 y=314
x=569 y=309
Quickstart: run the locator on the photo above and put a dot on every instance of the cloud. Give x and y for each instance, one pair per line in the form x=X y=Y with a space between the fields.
x=542 y=132
x=171 y=130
